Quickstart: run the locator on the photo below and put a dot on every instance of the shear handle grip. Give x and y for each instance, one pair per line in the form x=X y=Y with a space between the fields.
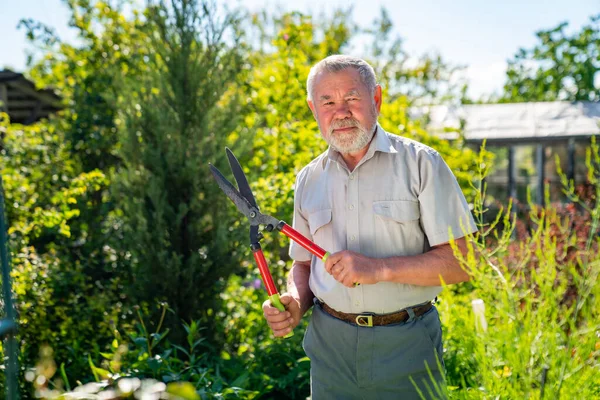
x=302 y=241
x=305 y=242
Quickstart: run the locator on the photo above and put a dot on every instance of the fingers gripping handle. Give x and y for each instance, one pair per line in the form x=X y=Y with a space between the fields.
x=259 y=257
x=305 y=242
x=276 y=301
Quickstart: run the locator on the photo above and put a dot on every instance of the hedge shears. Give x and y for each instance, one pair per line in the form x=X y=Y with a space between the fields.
x=246 y=204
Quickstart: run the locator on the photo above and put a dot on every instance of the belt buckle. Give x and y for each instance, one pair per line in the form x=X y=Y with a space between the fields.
x=364 y=320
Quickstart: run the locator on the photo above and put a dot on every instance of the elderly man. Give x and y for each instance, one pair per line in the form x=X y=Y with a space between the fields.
x=383 y=205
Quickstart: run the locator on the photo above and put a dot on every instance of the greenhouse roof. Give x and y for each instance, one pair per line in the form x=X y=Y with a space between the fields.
x=514 y=122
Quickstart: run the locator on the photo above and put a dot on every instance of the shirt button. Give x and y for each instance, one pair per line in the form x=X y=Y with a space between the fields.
x=351 y=177
x=351 y=206
x=352 y=237
x=357 y=303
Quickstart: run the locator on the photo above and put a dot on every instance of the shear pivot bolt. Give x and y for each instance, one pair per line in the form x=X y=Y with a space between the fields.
x=252 y=214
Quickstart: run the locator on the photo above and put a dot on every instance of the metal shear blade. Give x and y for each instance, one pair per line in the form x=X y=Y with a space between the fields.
x=242 y=198
x=240 y=178
x=240 y=201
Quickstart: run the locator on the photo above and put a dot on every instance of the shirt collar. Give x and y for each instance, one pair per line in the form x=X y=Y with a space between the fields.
x=381 y=142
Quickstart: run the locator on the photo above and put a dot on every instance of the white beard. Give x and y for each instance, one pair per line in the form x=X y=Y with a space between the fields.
x=353 y=140
x=349 y=141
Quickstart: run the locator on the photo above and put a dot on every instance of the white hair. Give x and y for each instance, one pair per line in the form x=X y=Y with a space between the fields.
x=337 y=63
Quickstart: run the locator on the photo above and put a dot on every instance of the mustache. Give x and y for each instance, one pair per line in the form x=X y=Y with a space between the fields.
x=345 y=123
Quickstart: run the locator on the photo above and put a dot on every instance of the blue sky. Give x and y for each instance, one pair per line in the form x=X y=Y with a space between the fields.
x=479 y=34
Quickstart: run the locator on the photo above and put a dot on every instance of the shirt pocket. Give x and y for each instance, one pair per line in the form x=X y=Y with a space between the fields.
x=319 y=223
x=397 y=228
x=401 y=211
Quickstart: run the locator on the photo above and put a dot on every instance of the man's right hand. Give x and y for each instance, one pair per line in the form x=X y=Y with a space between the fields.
x=283 y=322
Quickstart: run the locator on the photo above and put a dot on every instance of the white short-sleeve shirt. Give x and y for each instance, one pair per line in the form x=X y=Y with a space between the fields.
x=400 y=200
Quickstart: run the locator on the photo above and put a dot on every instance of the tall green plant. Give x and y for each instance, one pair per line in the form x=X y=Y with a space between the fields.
x=538 y=336
x=177 y=119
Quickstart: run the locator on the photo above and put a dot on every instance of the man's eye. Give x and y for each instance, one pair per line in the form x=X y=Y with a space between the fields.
x=328 y=103
x=352 y=99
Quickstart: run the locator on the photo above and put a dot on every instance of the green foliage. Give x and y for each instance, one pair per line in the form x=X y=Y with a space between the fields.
x=89 y=74
x=35 y=165
x=176 y=119
x=58 y=299
x=69 y=271
x=142 y=364
x=561 y=66
x=538 y=336
x=275 y=367
x=252 y=364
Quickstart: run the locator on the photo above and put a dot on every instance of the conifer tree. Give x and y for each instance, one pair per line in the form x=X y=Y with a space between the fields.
x=177 y=120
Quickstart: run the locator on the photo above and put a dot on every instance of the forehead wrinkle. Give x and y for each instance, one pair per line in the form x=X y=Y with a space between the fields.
x=351 y=92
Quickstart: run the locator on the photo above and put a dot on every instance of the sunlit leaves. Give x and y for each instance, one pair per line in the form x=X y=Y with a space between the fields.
x=561 y=66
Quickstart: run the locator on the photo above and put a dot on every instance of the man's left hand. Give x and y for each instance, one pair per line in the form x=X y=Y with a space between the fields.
x=350 y=268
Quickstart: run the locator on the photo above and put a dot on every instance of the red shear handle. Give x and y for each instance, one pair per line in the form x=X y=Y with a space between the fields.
x=302 y=241
x=264 y=271
x=259 y=257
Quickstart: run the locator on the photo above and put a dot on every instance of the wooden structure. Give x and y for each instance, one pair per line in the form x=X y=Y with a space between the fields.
x=22 y=101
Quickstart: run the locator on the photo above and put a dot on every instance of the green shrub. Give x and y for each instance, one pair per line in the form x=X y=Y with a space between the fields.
x=541 y=295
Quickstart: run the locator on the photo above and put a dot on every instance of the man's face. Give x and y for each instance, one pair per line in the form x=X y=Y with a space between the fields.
x=345 y=109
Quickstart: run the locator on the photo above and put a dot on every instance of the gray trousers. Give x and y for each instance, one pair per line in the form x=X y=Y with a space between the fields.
x=352 y=362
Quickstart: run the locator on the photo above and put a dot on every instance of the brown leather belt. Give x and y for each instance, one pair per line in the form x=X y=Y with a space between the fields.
x=367 y=319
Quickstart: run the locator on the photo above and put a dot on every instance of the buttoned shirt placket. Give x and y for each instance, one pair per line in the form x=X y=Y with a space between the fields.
x=352 y=185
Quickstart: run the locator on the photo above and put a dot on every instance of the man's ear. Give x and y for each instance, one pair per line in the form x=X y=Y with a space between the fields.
x=377 y=97
x=311 y=105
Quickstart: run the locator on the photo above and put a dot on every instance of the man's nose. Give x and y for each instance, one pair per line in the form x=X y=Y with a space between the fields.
x=343 y=111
